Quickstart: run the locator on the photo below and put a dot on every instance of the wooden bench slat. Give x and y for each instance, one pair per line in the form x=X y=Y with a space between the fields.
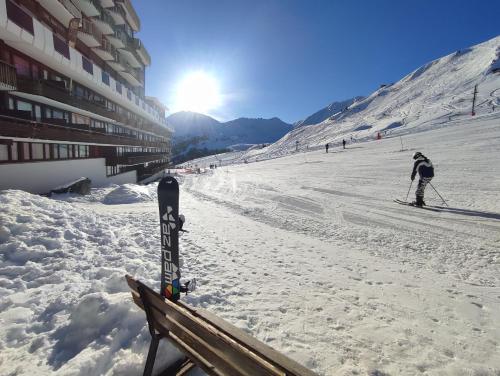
x=215 y=345
x=207 y=354
x=233 y=353
x=292 y=367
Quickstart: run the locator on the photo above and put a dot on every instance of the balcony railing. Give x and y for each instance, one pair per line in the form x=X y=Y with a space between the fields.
x=135 y=159
x=131 y=15
x=106 y=50
x=23 y=128
x=141 y=51
x=19 y=17
x=91 y=35
x=105 y=23
x=8 y=77
x=56 y=91
x=118 y=14
x=144 y=172
x=132 y=71
x=71 y=8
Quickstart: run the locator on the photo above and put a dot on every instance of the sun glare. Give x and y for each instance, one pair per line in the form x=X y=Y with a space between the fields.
x=198 y=92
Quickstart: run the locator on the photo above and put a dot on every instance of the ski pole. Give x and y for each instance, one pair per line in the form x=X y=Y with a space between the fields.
x=439 y=194
x=408 y=191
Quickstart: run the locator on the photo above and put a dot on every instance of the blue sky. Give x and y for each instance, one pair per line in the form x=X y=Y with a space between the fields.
x=289 y=58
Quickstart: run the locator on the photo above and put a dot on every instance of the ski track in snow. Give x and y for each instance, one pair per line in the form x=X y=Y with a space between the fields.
x=312 y=258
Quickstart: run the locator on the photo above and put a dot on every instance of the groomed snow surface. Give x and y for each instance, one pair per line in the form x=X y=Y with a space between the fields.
x=307 y=252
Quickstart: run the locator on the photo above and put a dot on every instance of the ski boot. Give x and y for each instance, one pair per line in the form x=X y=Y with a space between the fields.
x=419 y=202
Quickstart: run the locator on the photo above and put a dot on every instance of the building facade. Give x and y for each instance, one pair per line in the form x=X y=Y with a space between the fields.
x=72 y=96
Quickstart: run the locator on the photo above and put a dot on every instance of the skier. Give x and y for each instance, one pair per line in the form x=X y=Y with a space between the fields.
x=426 y=172
x=343 y=143
x=326 y=147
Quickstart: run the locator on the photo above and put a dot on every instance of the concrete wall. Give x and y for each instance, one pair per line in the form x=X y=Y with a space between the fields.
x=41 y=177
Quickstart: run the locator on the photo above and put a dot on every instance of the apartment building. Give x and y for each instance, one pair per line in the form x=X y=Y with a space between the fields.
x=72 y=96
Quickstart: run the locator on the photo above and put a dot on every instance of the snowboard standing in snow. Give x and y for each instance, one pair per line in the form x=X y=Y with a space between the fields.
x=168 y=201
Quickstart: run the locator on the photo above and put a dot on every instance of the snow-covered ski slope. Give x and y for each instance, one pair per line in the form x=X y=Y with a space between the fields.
x=307 y=252
x=438 y=92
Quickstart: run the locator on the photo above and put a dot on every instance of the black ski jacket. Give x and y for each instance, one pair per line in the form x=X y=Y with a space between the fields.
x=424 y=168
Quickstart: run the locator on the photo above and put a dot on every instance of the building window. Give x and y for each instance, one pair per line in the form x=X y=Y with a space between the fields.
x=4 y=152
x=118 y=87
x=87 y=65
x=63 y=151
x=13 y=151
x=26 y=151
x=24 y=106
x=46 y=151
x=129 y=94
x=61 y=46
x=105 y=78
x=55 y=151
x=80 y=119
x=22 y=66
x=20 y=17
x=37 y=150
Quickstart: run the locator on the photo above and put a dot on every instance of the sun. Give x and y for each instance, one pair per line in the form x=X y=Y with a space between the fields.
x=198 y=92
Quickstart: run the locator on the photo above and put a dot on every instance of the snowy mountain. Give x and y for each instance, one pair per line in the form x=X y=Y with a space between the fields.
x=440 y=91
x=191 y=124
x=330 y=110
x=197 y=134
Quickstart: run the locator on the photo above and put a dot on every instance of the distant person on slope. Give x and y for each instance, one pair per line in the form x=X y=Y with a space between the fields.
x=425 y=171
x=343 y=143
x=326 y=147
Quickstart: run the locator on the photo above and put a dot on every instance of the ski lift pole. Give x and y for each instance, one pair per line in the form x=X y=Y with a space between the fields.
x=474 y=101
x=439 y=195
x=411 y=182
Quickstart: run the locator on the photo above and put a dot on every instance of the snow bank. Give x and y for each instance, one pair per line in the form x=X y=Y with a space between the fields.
x=65 y=305
x=131 y=193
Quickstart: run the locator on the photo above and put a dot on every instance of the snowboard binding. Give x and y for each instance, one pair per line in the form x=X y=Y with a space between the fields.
x=188 y=286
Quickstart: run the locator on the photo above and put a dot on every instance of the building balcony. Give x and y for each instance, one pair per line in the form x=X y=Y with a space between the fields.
x=88 y=7
x=105 y=51
x=130 y=56
x=130 y=14
x=135 y=158
x=28 y=129
x=104 y=23
x=47 y=88
x=132 y=75
x=144 y=172
x=63 y=10
x=89 y=34
x=8 y=77
x=141 y=51
x=118 y=39
x=107 y=3
x=117 y=14
x=117 y=64
x=55 y=90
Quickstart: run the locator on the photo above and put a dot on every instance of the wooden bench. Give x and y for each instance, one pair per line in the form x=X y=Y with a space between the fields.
x=208 y=342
